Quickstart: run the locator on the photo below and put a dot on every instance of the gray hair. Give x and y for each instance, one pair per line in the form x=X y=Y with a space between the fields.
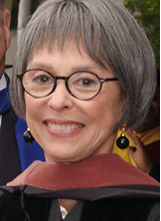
x=109 y=33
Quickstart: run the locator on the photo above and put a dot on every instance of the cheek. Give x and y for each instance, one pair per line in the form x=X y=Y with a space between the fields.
x=106 y=107
x=33 y=108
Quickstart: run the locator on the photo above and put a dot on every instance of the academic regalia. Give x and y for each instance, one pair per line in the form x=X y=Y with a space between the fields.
x=109 y=188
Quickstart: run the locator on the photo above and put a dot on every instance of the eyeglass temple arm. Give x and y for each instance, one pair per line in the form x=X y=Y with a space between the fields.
x=108 y=79
x=20 y=76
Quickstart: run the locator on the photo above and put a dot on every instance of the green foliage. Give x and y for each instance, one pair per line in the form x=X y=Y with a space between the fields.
x=147 y=13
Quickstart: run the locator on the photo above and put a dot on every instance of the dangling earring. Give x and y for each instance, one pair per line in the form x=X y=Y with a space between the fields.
x=27 y=136
x=122 y=142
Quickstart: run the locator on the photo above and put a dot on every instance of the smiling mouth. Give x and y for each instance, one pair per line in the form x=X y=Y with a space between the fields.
x=64 y=127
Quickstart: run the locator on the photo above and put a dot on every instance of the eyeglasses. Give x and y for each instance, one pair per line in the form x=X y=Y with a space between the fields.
x=83 y=85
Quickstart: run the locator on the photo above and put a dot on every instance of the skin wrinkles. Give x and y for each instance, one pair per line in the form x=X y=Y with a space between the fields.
x=82 y=68
x=98 y=115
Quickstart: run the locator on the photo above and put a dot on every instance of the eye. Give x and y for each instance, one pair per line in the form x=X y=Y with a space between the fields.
x=84 y=80
x=42 y=78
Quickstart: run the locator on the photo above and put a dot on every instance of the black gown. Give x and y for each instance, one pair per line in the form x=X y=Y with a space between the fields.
x=120 y=192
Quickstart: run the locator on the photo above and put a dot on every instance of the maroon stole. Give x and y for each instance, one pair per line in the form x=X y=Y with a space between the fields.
x=97 y=171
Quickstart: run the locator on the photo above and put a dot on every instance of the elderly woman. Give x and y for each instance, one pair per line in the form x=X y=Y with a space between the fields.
x=84 y=69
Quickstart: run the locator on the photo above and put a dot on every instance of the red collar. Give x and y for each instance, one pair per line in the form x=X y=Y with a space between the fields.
x=96 y=171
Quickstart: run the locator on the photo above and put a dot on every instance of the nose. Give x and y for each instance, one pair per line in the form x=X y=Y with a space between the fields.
x=60 y=98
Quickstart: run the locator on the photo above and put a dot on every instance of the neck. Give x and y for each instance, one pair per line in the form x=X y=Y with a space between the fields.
x=68 y=204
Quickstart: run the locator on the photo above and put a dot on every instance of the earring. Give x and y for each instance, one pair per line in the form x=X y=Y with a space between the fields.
x=27 y=136
x=122 y=142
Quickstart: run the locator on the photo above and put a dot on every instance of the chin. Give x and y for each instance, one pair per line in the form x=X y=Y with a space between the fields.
x=62 y=158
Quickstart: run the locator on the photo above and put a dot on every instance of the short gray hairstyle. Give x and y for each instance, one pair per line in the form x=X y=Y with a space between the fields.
x=109 y=33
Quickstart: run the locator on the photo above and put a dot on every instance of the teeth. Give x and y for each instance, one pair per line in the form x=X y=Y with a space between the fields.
x=64 y=126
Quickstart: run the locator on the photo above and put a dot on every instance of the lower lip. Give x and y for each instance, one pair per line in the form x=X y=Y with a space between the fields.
x=64 y=133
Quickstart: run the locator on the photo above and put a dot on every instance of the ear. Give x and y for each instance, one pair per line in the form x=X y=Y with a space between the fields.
x=7 y=27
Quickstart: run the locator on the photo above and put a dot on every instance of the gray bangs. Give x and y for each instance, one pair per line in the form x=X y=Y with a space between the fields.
x=66 y=20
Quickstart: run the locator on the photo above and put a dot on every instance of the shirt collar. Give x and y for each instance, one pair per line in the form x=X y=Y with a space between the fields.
x=3 y=82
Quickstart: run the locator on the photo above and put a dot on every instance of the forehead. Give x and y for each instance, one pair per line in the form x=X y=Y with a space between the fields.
x=69 y=48
x=68 y=60
x=70 y=52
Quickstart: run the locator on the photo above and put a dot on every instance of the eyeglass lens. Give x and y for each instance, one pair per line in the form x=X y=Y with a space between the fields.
x=39 y=83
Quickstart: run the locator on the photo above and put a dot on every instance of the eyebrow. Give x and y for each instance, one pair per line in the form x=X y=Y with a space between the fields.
x=88 y=67
x=77 y=68
x=40 y=65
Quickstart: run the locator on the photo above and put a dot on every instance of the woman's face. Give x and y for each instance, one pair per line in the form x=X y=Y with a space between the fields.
x=69 y=129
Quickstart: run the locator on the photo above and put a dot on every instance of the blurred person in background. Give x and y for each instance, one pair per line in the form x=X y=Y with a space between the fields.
x=15 y=154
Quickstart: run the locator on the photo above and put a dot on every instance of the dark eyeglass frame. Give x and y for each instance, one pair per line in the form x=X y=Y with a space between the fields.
x=101 y=80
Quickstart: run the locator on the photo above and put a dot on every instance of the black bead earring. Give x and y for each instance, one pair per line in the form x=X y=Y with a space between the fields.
x=27 y=136
x=122 y=142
